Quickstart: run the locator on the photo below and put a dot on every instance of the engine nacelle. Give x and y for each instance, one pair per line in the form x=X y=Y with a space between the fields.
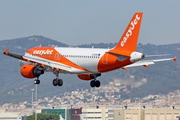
x=84 y=76
x=31 y=71
x=88 y=76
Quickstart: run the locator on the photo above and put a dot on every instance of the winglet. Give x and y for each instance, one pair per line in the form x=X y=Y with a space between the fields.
x=6 y=51
x=175 y=58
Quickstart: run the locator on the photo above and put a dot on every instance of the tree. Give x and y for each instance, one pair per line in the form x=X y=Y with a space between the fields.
x=43 y=116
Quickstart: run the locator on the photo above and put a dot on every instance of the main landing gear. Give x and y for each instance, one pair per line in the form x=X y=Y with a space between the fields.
x=95 y=83
x=57 y=81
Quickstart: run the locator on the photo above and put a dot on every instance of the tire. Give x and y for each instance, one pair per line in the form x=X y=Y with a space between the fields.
x=92 y=83
x=55 y=82
x=36 y=81
x=60 y=82
x=98 y=83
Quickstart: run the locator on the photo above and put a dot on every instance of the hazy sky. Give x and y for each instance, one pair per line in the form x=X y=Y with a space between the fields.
x=89 y=21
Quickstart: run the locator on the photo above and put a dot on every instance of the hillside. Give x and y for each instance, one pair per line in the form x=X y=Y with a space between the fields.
x=159 y=79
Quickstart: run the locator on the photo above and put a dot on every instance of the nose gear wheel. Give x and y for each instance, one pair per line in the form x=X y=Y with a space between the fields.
x=36 y=81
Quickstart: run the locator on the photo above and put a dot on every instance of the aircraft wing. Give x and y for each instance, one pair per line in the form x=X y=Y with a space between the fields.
x=145 y=63
x=6 y=52
x=48 y=63
x=39 y=61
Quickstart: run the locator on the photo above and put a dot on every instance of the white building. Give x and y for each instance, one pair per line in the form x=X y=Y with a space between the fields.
x=9 y=116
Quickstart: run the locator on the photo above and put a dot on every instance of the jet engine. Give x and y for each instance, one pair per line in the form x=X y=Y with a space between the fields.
x=31 y=71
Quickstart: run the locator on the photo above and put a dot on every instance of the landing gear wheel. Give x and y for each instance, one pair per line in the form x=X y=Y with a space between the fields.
x=60 y=82
x=36 y=81
x=93 y=83
x=98 y=83
x=55 y=82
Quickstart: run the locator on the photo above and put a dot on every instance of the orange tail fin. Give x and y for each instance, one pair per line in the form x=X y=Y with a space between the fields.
x=129 y=39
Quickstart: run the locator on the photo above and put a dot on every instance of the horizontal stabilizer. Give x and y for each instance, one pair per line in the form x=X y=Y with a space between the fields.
x=149 y=56
x=149 y=62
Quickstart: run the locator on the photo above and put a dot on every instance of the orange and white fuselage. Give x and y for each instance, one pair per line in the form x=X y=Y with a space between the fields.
x=80 y=60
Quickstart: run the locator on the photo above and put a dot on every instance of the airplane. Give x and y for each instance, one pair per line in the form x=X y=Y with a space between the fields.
x=87 y=63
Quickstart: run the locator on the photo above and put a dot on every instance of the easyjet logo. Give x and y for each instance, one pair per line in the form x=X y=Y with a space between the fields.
x=130 y=30
x=41 y=52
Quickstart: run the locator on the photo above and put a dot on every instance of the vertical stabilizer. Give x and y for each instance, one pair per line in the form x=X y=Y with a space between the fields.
x=129 y=39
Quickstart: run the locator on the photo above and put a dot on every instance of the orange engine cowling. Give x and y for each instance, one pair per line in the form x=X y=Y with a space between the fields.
x=84 y=76
x=31 y=71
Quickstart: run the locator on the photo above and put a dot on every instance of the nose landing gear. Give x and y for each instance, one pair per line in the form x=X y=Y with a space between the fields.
x=37 y=81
